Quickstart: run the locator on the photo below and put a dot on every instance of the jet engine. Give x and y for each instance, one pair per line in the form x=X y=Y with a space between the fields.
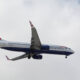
x=37 y=56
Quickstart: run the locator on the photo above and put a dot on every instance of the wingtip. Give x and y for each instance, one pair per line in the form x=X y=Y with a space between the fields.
x=7 y=58
x=31 y=24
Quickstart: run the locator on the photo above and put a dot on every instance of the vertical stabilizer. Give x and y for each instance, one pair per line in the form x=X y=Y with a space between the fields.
x=0 y=38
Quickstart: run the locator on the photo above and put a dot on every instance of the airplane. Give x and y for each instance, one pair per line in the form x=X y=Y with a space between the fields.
x=35 y=49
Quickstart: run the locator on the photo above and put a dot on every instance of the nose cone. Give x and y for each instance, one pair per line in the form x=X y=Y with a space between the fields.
x=72 y=52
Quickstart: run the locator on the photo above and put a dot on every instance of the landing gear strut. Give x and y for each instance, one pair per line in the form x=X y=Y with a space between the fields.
x=30 y=55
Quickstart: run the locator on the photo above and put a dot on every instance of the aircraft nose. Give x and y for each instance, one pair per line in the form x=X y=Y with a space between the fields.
x=72 y=52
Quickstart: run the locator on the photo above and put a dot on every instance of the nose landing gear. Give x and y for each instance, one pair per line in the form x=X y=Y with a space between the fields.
x=66 y=57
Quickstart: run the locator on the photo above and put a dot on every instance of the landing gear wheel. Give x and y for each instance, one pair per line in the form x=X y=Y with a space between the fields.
x=66 y=56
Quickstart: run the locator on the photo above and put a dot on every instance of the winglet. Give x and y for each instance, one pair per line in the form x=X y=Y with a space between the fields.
x=7 y=58
x=32 y=26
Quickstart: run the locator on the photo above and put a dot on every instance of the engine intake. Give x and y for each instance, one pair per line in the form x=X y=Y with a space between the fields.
x=37 y=56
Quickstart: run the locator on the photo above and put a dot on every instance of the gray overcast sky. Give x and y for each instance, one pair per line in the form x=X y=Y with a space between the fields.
x=57 y=22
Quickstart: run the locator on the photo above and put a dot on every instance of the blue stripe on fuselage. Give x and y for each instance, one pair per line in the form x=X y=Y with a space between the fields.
x=44 y=47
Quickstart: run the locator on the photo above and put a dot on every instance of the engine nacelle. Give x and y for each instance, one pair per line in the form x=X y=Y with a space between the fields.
x=37 y=56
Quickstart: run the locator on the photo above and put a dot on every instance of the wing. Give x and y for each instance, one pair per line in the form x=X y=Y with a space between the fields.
x=35 y=41
x=17 y=58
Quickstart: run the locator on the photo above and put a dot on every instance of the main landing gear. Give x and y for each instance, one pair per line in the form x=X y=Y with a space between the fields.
x=29 y=56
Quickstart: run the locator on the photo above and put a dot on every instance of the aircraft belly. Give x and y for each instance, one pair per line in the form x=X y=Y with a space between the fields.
x=52 y=52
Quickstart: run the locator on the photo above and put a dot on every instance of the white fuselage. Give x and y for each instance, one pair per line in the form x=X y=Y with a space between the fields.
x=24 y=47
